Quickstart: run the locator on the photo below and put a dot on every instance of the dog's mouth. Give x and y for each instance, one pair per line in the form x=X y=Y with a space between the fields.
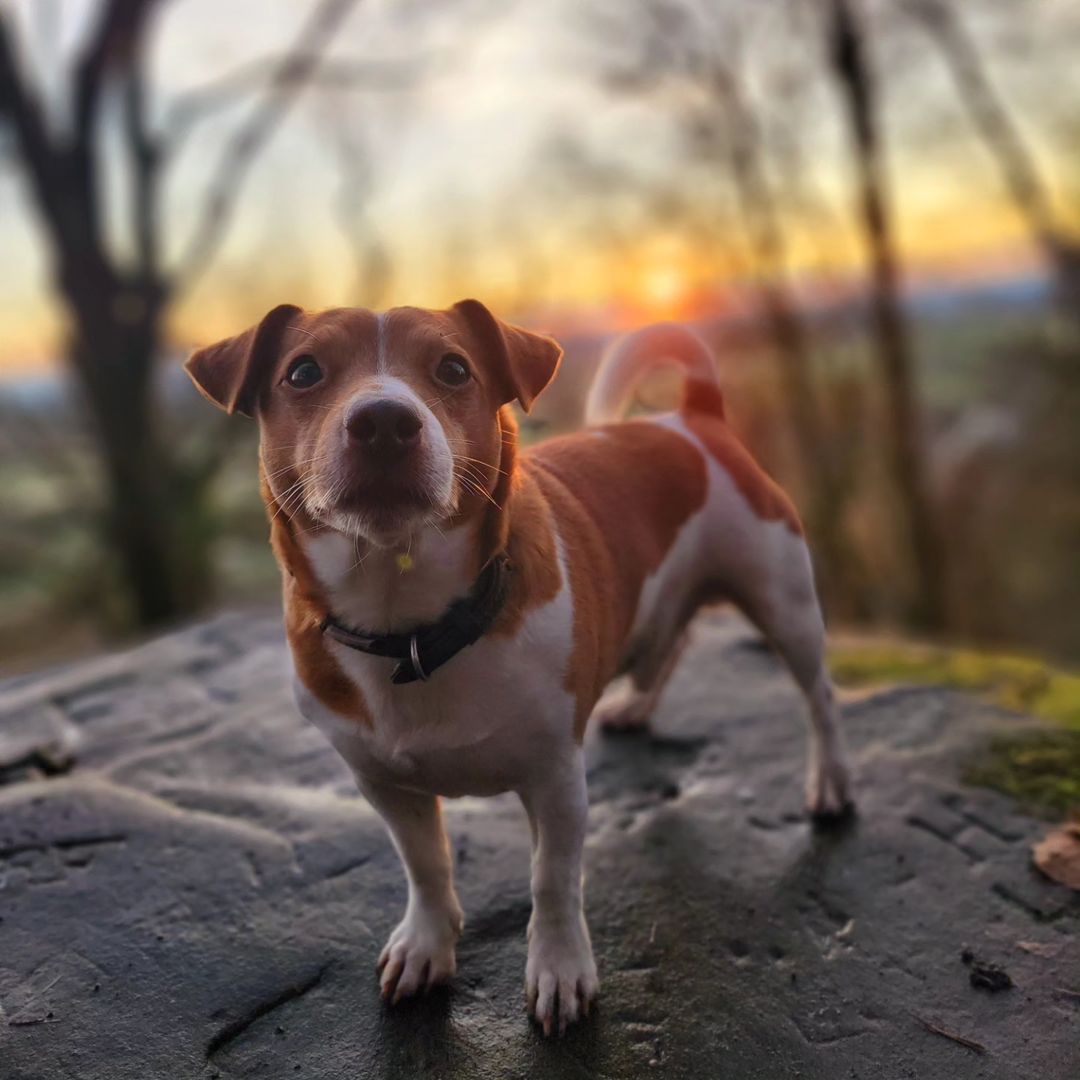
x=382 y=496
x=380 y=508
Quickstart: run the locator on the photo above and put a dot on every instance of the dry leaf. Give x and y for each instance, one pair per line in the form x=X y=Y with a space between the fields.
x=1039 y=948
x=1057 y=855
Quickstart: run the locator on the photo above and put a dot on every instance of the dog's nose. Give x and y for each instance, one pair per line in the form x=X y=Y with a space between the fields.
x=385 y=429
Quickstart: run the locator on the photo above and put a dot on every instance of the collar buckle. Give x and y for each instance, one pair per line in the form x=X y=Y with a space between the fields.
x=414 y=658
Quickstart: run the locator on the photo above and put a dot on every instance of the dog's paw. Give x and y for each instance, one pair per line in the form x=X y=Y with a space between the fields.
x=420 y=952
x=622 y=714
x=560 y=977
x=828 y=791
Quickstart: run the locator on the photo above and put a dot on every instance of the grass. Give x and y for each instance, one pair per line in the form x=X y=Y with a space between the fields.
x=1041 y=766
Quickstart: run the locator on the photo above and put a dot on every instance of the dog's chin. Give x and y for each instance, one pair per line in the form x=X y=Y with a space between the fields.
x=384 y=525
x=382 y=510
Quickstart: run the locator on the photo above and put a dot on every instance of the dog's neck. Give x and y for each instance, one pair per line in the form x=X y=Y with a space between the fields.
x=384 y=590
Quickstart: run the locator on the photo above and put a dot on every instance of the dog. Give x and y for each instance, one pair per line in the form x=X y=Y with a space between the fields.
x=456 y=606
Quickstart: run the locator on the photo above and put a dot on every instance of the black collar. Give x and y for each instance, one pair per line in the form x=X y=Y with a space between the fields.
x=425 y=648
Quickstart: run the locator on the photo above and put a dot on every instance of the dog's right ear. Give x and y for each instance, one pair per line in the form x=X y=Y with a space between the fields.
x=230 y=373
x=521 y=362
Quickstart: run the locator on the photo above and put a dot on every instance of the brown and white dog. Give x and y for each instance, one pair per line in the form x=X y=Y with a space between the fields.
x=394 y=483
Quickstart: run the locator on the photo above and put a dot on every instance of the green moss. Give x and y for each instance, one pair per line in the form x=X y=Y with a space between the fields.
x=1015 y=682
x=1040 y=767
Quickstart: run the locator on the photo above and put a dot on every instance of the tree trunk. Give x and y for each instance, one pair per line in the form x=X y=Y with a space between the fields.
x=153 y=514
x=156 y=514
x=825 y=497
x=904 y=428
x=738 y=128
x=890 y=329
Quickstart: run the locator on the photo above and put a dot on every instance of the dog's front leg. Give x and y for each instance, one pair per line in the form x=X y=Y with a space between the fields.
x=420 y=951
x=560 y=975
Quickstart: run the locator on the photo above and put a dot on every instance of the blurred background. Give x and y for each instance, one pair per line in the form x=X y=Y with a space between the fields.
x=870 y=207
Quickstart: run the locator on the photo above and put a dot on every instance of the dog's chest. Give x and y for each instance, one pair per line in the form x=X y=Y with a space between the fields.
x=477 y=726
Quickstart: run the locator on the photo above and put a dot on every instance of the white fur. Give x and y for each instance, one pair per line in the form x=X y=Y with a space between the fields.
x=478 y=727
x=371 y=590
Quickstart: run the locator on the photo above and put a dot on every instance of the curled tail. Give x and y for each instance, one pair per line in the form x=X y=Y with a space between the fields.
x=632 y=356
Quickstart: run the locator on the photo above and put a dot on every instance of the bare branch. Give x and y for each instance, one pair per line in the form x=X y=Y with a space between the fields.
x=20 y=109
x=989 y=114
x=143 y=152
x=357 y=182
x=116 y=35
x=293 y=73
x=369 y=75
x=112 y=46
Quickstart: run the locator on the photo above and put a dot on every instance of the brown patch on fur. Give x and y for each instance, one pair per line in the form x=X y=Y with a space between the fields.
x=703 y=410
x=534 y=559
x=620 y=495
x=305 y=607
x=702 y=396
x=494 y=532
x=516 y=520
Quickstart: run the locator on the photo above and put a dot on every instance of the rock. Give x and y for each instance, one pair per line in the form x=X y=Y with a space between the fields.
x=199 y=891
x=984 y=975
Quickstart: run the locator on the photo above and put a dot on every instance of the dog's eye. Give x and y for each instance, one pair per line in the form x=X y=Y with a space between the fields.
x=303 y=372
x=452 y=370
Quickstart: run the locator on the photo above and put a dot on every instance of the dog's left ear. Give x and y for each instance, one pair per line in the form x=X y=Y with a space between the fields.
x=230 y=373
x=524 y=362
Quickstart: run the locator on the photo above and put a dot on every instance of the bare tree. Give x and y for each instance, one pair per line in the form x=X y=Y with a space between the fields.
x=115 y=306
x=854 y=78
x=992 y=119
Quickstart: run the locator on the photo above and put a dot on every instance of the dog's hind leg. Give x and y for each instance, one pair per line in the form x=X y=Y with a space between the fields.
x=783 y=604
x=631 y=708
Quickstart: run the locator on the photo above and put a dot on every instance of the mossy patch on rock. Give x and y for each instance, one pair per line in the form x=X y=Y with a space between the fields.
x=1040 y=767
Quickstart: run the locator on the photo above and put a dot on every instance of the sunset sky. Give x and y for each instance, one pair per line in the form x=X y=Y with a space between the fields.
x=465 y=184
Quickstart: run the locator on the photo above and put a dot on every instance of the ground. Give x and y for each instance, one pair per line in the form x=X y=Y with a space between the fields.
x=190 y=887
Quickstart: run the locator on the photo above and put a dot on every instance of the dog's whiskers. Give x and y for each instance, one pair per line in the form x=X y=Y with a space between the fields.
x=291 y=498
x=465 y=459
x=301 y=330
x=296 y=465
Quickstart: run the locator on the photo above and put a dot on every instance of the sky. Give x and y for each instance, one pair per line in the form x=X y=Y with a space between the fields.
x=510 y=169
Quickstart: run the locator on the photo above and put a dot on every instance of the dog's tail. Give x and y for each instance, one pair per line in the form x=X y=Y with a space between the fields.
x=634 y=355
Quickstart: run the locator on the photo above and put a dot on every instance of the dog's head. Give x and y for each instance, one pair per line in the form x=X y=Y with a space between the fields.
x=377 y=424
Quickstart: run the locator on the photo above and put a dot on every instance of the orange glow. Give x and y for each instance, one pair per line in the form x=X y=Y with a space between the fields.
x=663 y=287
x=654 y=279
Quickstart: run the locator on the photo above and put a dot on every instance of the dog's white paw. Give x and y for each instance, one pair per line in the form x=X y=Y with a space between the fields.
x=420 y=952
x=828 y=789
x=622 y=712
x=560 y=976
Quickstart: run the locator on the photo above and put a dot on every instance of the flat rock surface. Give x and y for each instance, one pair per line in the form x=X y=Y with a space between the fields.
x=190 y=887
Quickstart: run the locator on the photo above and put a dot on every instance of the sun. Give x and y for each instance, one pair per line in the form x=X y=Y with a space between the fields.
x=663 y=288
